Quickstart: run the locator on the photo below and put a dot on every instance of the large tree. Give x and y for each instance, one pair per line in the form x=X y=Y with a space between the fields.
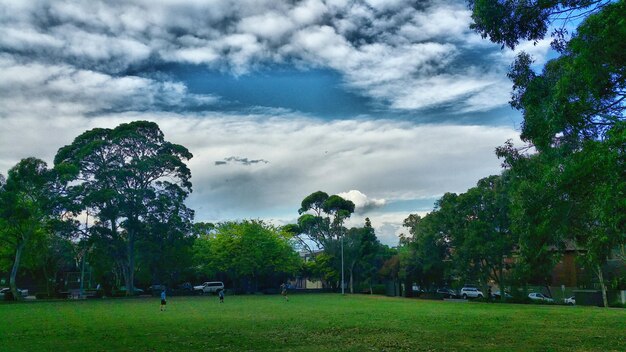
x=361 y=248
x=321 y=226
x=484 y=238
x=165 y=249
x=574 y=116
x=321 y=220
x=427 y=249
x=26 y=209
x=118 y=175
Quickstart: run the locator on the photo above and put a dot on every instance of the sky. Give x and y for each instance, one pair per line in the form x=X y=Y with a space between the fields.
x=388 y=103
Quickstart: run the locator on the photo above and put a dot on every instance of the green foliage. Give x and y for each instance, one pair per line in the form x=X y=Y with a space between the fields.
x=572 y=191
x=320 y=226
x=322 y=267
x=579 y=95
x=362 y=253
x=471 y=231
x=508 y=21
x=133 y=181
x=250 y=249
x=424 y=256
x=27 y=200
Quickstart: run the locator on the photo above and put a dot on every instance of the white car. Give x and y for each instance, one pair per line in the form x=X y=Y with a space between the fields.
x=209 y=287
x=540 y=297
x=570 y=300
x=471 y=292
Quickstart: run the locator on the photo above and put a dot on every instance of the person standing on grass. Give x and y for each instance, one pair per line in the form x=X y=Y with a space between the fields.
x=163 y=300
x=489 y=294
x=221 y=295
x=283 y=290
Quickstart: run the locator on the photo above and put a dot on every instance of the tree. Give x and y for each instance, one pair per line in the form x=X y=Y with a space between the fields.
x=54 y=252
x=426 y=250
x=165 y=249
x=118 y=174
x=26 y=207
x=322 y=219
x=250 y=250
x=485 y=238
x=574 y=116
x=321 y=224
x=508 y=21
x=580 y=95
x=322 y=267
x=360 y=250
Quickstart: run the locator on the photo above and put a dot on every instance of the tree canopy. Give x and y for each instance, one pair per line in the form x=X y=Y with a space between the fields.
x=124 y=176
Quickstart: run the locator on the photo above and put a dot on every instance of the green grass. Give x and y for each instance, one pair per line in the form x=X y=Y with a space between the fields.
x=306 y=323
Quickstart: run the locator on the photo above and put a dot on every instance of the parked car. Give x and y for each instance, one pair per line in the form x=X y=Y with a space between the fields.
x=471 y=292
x=209 y=287
x=498 y=294
x=570 y=300
x=5 y=291
x=535 y=296
x=446 y=293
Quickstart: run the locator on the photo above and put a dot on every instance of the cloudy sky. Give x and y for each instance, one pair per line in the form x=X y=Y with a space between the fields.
x=389 y=103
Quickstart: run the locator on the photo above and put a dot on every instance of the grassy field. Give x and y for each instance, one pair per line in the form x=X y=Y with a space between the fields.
x=306 y=323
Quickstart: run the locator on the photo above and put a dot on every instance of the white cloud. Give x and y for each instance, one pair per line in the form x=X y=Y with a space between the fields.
x=64 y=68
x=361 y=202
x=401 y=54
x=383 y=159
x=50 y=90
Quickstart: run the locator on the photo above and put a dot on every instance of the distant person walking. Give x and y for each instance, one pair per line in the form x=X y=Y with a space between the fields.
x=163 y=300
x=221 y=295
x=283 y=290
x=489 y=294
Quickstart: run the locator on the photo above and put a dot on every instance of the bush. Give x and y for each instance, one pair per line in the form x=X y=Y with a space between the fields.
x=379 y=289
x=118 y=293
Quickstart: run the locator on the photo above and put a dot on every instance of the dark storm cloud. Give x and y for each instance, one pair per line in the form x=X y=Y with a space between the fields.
x=241 y=161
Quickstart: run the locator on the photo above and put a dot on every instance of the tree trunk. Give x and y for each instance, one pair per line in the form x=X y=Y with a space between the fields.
x=501 y=284
x=46 y=277
x=351 y=282
x=16 y=265
x=352 y=277
x=602 y=286
x=130 y=284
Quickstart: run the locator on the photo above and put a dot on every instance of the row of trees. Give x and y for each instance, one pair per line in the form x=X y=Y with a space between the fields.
x=116 y=196
x=572 y=187
x=128 y=180
x=115 y=202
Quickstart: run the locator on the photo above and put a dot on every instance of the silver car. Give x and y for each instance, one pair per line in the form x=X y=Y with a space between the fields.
x=535 y=296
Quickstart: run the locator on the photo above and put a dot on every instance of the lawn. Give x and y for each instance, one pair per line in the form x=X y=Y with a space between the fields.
x=306 y=323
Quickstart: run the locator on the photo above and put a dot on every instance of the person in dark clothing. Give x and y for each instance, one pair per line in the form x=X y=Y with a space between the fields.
x=163 y=300
x=283 y=291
